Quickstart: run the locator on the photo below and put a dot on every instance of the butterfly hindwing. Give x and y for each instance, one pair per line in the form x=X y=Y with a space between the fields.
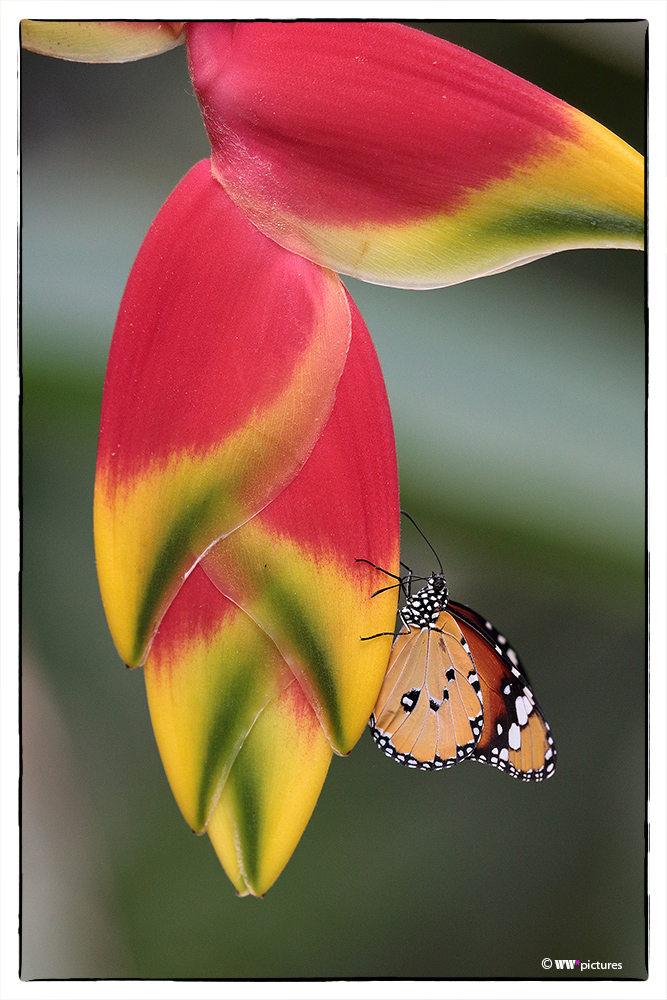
x=429 y=712
x=516 y=737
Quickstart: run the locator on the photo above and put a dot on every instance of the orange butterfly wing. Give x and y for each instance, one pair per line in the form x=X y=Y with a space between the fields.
x=429 y=711
x=515 y=737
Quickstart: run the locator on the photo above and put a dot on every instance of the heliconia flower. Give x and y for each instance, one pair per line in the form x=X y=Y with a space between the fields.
x=246 y=461
x=399 y=158
x=246 y=458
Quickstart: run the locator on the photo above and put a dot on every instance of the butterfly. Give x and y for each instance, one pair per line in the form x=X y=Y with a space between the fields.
x=456 y=690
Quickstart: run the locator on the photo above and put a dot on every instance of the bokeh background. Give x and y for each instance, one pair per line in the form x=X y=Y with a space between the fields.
x=519 y=406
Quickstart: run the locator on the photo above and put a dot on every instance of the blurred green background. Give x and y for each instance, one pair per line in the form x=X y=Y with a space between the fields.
x=519 y=406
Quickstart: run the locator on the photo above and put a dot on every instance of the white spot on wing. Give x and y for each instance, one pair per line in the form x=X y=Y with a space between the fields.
x=521 y=714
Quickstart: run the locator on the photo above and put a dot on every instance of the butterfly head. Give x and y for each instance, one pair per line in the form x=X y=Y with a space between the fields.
x=438 y=586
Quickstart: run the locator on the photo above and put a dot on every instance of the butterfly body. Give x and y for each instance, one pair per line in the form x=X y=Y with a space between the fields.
x=455 y=690
x=423 y=609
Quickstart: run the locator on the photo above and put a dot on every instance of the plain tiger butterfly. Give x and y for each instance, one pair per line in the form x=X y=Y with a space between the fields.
x=455 y=689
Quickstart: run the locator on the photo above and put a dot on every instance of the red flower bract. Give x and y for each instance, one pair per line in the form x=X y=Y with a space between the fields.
x=399 y=158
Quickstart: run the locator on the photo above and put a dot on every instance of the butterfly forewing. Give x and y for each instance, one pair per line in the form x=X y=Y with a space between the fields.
x=429 y=712
x=516 y=737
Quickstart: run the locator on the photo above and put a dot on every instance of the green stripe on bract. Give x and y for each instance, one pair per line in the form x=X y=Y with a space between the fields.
x=297 y=627
x=229 y=728
x=244 y=785
x=178 y=542
x=548 y=223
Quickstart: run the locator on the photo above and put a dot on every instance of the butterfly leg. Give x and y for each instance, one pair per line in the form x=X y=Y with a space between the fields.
x=401 y=580
x=364 y=638
x=382 y=591
x=381 y=570
x=377 y=635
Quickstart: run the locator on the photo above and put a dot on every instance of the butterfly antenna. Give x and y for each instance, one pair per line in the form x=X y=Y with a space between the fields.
x=412 y=520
